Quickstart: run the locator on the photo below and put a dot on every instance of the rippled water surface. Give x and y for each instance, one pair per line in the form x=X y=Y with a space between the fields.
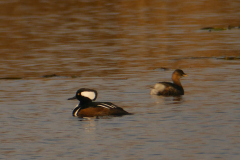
x=50 y=49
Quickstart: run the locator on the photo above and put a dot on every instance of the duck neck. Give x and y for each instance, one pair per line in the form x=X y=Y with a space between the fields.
x=176 y=80
x=84 y=100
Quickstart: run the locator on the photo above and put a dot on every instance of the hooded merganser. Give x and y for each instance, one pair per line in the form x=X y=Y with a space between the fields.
x=88 y=108
x=170 y=89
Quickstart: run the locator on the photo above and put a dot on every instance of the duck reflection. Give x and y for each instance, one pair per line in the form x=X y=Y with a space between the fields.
x=168 y=99
x=177 y=99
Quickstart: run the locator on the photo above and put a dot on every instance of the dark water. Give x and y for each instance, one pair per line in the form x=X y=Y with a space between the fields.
x=121 y=49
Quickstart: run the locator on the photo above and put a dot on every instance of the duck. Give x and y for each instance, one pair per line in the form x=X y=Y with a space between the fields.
x=88 y=108
x=168 y=88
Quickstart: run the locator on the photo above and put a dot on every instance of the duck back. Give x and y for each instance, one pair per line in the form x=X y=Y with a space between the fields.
x=167 y=88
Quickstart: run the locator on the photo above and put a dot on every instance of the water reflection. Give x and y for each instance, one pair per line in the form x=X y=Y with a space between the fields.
x=177 y=99
x=168 y=99
x=89 y=124
x=94 y=118
x=104 y=39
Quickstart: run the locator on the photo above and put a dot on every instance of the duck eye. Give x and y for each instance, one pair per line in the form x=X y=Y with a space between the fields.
x=78 y=94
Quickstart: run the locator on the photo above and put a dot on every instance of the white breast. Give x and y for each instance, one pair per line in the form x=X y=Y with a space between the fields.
x=76 y=112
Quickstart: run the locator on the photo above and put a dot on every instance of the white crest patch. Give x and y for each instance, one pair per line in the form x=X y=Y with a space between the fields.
x=158 y=88
x=89 y=94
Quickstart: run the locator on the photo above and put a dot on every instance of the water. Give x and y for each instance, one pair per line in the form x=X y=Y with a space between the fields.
x=121 y=49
